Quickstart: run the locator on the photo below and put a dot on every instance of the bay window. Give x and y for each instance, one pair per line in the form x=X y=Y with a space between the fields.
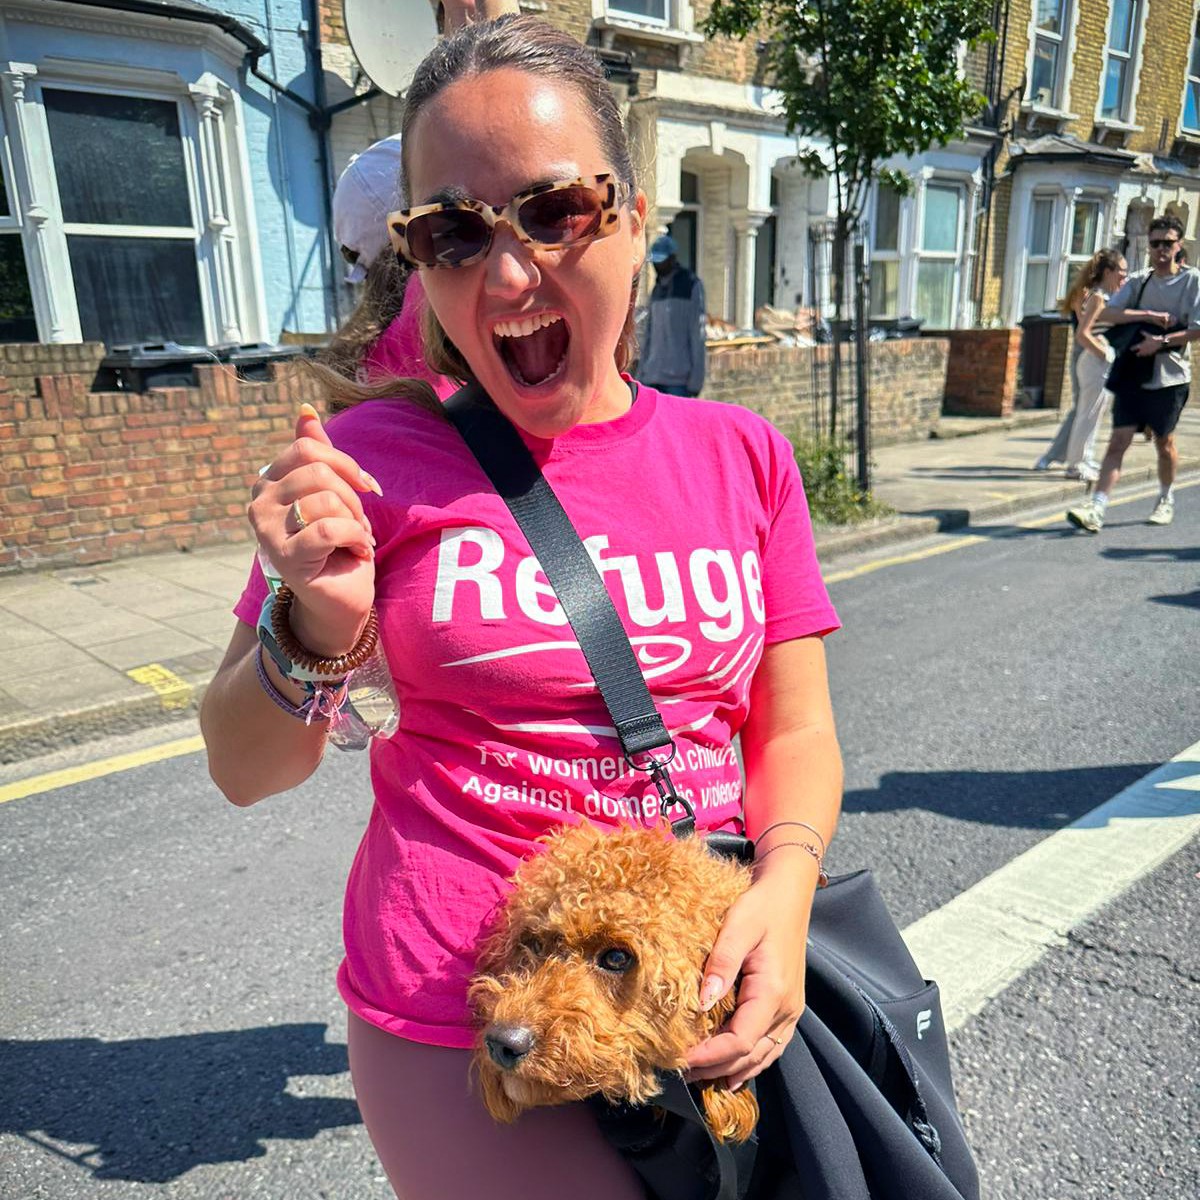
x=1038 y=256
x=126 y=210
x=885 y=253
x=940 y=254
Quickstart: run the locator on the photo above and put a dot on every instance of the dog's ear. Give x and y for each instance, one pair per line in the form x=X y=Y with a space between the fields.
x=716 y=1016
x=730 y=1115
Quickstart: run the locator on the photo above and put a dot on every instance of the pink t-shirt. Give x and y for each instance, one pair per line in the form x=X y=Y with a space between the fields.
x=696 y=516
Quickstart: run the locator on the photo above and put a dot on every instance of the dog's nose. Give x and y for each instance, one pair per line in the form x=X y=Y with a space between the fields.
x=508 y=1044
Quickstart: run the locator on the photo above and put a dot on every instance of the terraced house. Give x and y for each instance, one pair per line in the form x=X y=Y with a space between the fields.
x=246 y=113
x=1103 y=121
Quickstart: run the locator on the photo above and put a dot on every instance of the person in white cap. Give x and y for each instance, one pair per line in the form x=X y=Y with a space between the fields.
x=381 y=340
x=672 y=333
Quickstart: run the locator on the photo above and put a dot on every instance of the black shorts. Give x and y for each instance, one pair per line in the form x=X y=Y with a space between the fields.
x=1155 y=408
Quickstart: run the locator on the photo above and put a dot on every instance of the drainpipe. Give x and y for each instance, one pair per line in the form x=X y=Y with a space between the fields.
x=995 y=89
x=320 y=117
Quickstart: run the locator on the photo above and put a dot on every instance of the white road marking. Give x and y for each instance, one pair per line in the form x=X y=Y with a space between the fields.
x=991 y=934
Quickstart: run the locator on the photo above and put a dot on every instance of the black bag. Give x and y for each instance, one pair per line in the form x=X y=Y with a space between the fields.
x=1130 y=371
x=860 y=1105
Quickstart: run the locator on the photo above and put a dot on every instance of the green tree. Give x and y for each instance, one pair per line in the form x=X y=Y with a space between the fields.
x=871 y=78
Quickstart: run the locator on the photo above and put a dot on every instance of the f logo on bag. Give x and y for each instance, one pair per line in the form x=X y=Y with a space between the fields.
x=924 y=1020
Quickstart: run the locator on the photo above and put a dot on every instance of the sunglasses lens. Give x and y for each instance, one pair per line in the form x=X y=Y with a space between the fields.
x=562 y=216
x=448 y=237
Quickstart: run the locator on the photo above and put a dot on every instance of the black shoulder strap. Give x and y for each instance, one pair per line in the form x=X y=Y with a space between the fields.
x=507 y=462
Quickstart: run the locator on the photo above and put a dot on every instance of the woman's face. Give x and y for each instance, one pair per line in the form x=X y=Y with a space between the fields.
x=1114 y=277
x=538 y=327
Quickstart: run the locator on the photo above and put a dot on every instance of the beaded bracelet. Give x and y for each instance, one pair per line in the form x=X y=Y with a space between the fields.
x=808 y=847
x=323 y=702
x=335 y=668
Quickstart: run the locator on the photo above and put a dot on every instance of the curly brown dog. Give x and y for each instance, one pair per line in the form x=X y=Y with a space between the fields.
x=590 y=982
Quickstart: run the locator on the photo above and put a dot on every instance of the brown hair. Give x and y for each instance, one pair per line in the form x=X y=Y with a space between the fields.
x=1089 y=276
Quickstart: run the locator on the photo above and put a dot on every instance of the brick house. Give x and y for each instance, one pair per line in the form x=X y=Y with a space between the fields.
x=1098 y=105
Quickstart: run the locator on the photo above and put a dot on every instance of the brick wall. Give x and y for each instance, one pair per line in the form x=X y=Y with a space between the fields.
x=981 y=374
x=21 y=363
x=906 y=381
x=90 y=476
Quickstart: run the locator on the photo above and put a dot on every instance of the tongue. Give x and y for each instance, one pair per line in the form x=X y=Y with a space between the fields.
x=536 y=357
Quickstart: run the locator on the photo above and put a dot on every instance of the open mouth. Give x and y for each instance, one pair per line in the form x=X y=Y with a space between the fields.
x=534 y=349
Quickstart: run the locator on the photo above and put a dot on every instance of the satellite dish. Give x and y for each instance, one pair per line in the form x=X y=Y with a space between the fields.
x=390 y=38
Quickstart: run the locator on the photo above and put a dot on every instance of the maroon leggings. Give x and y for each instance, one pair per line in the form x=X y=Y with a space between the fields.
x=434 y=1138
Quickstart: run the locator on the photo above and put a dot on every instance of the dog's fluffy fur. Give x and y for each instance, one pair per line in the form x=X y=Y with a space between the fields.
x=596 y=960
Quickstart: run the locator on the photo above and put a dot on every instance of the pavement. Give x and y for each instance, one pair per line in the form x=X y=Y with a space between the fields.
x=106 y=649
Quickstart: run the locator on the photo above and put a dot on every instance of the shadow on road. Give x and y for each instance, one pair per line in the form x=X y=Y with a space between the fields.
x=150 y=1109
x=1026 y=799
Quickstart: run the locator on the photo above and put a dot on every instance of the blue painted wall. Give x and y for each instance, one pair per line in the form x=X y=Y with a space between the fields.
x=283 y=150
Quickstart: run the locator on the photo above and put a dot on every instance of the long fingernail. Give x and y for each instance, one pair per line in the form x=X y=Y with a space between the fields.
x=710 y=991
x=737 y=1087
x=371 y=482
x=307 y=410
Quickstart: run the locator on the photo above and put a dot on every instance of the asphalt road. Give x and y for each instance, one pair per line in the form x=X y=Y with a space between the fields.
x=168 y=1021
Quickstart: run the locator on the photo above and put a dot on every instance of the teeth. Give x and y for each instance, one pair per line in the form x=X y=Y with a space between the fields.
x=525 y=326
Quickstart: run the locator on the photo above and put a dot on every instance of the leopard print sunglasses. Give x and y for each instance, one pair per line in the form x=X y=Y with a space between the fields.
x=456 y=233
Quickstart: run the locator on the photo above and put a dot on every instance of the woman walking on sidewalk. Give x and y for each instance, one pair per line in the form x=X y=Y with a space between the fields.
x=1091 y=358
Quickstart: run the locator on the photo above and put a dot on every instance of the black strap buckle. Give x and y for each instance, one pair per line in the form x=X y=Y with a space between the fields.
x=656 y=767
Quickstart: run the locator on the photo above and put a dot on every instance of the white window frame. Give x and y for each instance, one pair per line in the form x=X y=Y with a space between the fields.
x=1190 y=80
x=1127 y=115
x=677 y=28
x=1060 y=260
x=1047 y=259
x=1075 y=259
x=1058 y=103
x=892 y=255
x=217 y=169
x=957 y=256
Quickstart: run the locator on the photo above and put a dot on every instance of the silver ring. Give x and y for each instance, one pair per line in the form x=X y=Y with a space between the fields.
x=298 y=516
x=262 y=471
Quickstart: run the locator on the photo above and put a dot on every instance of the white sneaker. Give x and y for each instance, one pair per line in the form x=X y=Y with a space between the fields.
x=1043 y=464
x=1083 y=471
x=1164 y=512
x=1086 y=517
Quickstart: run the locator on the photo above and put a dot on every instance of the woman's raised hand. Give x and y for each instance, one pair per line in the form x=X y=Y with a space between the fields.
x=308 y=517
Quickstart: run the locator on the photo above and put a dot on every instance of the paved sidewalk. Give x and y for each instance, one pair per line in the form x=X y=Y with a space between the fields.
x=130 y=644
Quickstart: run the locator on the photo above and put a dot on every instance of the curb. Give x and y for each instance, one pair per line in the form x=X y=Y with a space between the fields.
x=831 y=544
x=44 y=734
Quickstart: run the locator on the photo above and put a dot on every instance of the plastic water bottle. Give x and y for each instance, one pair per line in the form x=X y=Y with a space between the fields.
x=373 y=708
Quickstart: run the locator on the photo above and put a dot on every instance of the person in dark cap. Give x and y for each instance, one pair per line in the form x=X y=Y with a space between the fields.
x=672 y=332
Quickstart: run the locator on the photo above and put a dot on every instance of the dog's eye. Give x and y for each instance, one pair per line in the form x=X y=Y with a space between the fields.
x=615 y=959
x=532 y=943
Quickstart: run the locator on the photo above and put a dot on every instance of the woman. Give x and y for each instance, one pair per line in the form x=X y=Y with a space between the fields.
x=1091 y=359
x=696 y=516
